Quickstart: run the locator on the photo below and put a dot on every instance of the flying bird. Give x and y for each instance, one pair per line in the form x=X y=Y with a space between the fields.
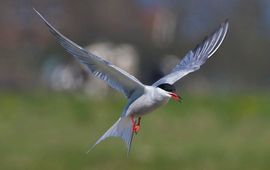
x=142 y=99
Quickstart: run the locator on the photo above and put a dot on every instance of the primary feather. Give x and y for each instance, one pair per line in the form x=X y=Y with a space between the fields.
x=195 y=58
x=114 y=76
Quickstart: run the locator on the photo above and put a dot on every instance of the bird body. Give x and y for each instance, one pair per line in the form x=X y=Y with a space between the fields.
x=142 y=99
x=152 y=98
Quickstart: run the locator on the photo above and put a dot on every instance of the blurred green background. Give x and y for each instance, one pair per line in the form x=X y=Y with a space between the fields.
x=52 y=112
x=54 y=130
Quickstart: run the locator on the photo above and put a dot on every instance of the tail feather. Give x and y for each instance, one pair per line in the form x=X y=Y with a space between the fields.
x=121 y=128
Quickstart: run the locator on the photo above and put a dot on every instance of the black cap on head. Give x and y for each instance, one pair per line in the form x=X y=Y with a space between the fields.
x=167 y=87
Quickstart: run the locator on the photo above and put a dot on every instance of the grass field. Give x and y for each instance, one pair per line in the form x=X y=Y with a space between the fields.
x=46 y=130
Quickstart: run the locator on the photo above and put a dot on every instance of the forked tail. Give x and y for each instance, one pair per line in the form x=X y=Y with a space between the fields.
x=121 y=128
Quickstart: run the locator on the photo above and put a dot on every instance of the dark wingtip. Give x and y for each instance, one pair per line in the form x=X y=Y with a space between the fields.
x=39 y=14
x=226 y=22
x=36 y=10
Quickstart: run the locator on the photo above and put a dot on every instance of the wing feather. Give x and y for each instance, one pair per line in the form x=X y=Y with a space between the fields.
x=195 y=58
x=114 y=76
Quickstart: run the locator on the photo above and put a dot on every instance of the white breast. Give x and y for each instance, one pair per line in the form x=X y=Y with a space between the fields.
x=149 y=101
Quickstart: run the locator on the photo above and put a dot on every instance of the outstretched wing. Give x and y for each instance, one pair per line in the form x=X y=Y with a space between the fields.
x=195 y=58
x=114 y=76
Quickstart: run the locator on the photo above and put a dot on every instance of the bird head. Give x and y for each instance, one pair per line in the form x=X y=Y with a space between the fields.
x=170 y=89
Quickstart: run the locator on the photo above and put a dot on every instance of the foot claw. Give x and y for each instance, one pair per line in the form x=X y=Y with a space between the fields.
x=136 y=129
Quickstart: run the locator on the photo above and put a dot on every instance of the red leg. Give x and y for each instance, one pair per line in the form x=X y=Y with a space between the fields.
x=136 y=128
x=139 y=121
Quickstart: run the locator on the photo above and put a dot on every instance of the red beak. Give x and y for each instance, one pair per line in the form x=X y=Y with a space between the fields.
x=175 y=97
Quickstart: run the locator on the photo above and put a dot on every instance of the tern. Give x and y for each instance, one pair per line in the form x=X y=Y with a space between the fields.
x=142 y=99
